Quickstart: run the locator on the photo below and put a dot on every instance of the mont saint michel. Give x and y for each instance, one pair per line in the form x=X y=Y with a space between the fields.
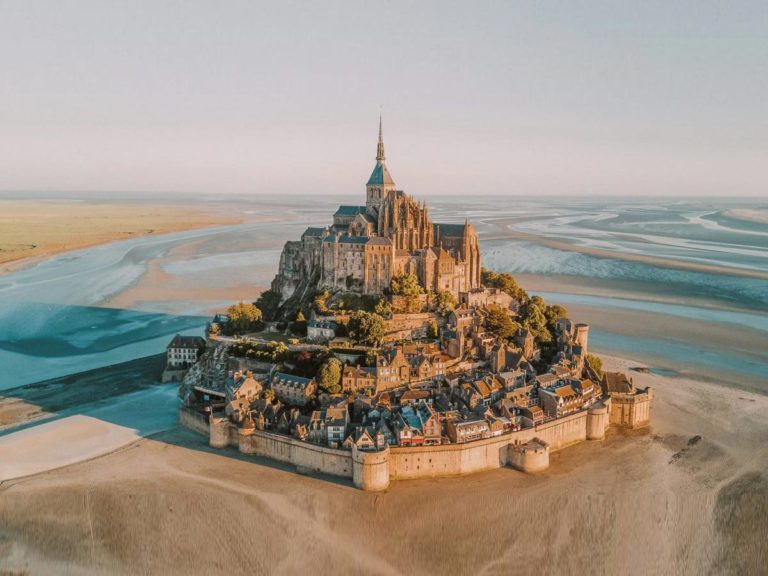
x=383 y=288
x=366 y=246
x=404 y=358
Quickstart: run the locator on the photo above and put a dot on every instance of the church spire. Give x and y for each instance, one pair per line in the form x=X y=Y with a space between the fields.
x=380 y=147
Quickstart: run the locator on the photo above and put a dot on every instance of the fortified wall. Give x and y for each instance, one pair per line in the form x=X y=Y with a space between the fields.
x=526 y=450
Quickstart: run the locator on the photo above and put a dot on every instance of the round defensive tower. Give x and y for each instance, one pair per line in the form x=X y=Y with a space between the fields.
x=597 y=421
x=219 y=432
x=370 y=470
x=532 y=456
x=582 y=336
x=244 y=434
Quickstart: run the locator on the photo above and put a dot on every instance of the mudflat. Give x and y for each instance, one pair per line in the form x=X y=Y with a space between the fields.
x=37 y=228
x=687 y=496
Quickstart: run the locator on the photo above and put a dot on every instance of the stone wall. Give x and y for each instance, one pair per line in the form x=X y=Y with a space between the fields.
x=194 y=421
x=374 y=470
x=303 y=455
x=487 y=454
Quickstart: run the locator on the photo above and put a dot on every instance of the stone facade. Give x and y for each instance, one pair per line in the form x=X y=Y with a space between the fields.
x=367 y=245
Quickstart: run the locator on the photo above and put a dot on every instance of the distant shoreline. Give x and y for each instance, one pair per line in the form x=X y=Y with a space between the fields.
x=33 y=231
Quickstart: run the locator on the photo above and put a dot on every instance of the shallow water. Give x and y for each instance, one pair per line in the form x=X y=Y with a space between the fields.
x=57 y=318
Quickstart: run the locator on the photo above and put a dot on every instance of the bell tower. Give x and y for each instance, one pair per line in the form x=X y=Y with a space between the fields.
x=380 y=183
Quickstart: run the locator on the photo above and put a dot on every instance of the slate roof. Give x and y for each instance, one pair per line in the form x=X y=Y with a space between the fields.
x=315 y=232
x=186 y=342
x=380 y=176
x=350 y=210
x=291 y=379
x=450 y=230
x=354 y=239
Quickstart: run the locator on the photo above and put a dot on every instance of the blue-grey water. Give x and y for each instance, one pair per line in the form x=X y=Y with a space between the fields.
x=58 y=316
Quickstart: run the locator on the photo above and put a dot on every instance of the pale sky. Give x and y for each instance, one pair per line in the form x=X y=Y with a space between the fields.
x=521 y=98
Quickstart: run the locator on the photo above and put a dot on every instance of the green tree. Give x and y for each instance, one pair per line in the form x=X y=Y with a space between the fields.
x=596 y=364
x=444 y=302
x=214 y=329
x=554 y=313
x=503 y=281
x=535 y=321
x=370 y=357
x=432 y=329
x=383 y=308
x=269 y=303
x=244 y=317
x=499 y=323
x=366 y=328
x=329 y=376
x=276 y=352
x=407 y=286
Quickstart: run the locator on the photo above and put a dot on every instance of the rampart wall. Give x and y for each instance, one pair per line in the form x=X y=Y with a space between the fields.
x=374 y=470
x=303 y=455
x=486 y=454
x=194 y=421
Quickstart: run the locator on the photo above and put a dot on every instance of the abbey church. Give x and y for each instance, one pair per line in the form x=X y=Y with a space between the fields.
x=367 y=245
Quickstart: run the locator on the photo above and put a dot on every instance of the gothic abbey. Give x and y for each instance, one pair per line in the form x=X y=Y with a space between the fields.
x=367 y=245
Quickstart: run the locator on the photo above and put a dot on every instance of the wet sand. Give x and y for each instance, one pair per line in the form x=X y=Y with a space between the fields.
x=35 y=229
x=750 y=215
x=650 y=502
x=503 y=231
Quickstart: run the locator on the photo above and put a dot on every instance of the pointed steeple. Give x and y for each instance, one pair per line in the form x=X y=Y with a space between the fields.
x=380 y=176
x=380 y=148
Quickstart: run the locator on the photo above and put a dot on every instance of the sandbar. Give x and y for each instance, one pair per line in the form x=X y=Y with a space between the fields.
x=34 y=229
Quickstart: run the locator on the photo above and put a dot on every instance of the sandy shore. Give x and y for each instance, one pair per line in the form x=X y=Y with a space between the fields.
x=35 y=229
x=652 y=502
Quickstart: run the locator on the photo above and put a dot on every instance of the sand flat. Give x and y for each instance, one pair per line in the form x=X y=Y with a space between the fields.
x=99 y=430
x=172 y=505
x=39 y=228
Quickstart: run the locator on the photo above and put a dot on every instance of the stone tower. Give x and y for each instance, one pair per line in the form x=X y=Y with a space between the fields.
x=380 y=183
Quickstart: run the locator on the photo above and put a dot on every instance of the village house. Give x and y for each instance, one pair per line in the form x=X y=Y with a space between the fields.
x=363 y=438
x=560 y=401
x=355 y=379
x=181 y=354
x=460 y=431
x=291 y=389
x=321 y=330
x=534 y=413
x=183 y=351
x=392 y=370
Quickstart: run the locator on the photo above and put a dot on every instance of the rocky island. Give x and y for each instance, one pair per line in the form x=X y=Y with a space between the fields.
x=385 y=351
